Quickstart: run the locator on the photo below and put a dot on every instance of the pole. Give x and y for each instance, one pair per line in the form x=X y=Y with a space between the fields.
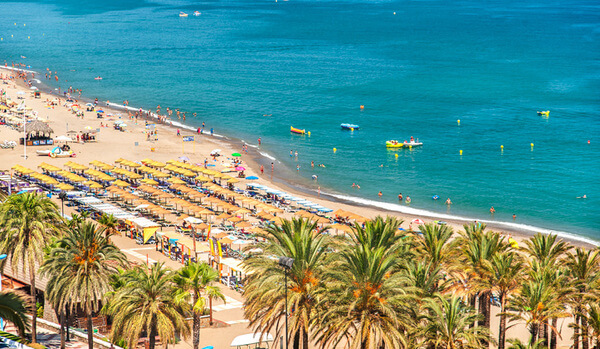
x=286 y=311
x=2 y=256
x=24 y=137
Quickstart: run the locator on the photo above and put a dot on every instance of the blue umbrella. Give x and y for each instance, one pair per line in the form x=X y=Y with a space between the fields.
x=252 y=178
x=209 y=347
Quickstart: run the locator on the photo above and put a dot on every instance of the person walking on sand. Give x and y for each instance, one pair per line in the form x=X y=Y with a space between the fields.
x=272 y=167
x=178 y=133
x=262 y=169
x=492 y=210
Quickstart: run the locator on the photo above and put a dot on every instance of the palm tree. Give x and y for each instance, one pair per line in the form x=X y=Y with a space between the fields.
x=196 y=279
x=506 y=275
x=110 y=223
x=536 y=304
x=359 y=302
x=27 y=221
x=593 y=322
x=13 y=308
x=264 y=292
x=146 y=303
x=448 y=325
x=436 y=245
x=583 y=267
x=478 y=249
x=546 y=254
x=80 y=268
x=517 y=344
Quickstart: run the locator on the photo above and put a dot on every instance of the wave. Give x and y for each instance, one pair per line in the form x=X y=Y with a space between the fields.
x=425 y=213
x=267 y=156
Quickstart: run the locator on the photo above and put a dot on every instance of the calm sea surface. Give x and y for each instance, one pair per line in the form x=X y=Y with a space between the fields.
x=416 y=66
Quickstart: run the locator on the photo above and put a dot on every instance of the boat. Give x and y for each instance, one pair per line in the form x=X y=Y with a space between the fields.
x=183 y=14
x=350 y=127
x=197 y=13
x=297 y=130
x=544 y=113
x=98 y=78
x=394 y=144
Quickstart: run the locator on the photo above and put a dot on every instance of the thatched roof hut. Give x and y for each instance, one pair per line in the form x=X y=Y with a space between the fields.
x=38 y=127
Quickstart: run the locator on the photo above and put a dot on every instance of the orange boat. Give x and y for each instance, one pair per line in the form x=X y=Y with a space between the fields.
x=297 y=130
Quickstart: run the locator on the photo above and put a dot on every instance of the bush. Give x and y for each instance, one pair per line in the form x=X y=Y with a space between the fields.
x=36 y=346
x=40 y=310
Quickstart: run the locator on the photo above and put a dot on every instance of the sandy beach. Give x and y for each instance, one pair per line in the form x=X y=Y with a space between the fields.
x=132 y=144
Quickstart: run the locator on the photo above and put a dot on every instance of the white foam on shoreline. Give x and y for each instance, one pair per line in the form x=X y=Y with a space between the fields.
x=440 y=216
x=267 y=156
x=19 y=69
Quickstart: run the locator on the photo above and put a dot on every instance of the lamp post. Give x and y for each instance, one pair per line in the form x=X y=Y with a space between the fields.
x=286 y=263
x=2 y=257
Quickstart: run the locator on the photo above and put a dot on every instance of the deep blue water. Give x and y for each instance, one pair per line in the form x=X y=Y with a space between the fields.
x=311 y=64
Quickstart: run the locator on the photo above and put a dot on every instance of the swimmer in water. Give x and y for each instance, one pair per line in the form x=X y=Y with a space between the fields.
x=448 y=202
x=400 y=197
x=408 y=200
x=380 y=194
x=582 y=197
x=514 y=217
x=321 y=165
x=492 y=210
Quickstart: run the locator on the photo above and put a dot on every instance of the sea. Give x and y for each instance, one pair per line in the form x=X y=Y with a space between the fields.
x=466 y=78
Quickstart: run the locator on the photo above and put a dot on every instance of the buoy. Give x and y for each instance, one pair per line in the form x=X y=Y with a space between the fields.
x=394 y=13
x=309 y=133
x=15 y=23
x=501 y=147
x=396 y=155
x=532 y=145
x=458 y=121
x=362 y=107
x=334 y=150
x=461 y=152
x=410 y=147
x=24 y=24
x=29 y=37
x=351 y=128
x=588 y=141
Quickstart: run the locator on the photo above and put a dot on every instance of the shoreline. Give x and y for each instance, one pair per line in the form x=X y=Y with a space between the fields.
x=328 y=198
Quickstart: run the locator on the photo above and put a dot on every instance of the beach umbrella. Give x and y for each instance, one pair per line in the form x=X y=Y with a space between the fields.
x=63 y=139
x=149 y=181
x=184 y=158
x=120 y=183
x=193 y=220
x=234 y=219
x=236 y=154
x=89 y=104
x=240 y=168
x=252 y=178
x=417 y=221
x=33 y=88
x=243 y=224
x=233 y=180
x=226 y=241
x=142 y=206
x=215 y=151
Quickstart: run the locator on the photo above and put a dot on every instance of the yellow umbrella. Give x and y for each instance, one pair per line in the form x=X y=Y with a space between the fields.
x=149 y=181
x=120 y=183
x=64 y=186
x=233 y=180
x=243 y=225
x=175 y=180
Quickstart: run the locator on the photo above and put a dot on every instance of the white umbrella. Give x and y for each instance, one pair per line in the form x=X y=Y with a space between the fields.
x=33 y=88
x=139 y=207
x=192 y=220
x=418 y=221
x=63 y=139
x=215 y=151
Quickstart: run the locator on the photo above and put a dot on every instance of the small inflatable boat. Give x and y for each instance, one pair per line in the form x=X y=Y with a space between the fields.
x=297 y=130
x=350 y=127
x=544 y=113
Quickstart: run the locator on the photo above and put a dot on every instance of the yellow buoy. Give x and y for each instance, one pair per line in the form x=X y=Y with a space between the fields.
x=15 y=23
x=532 y=145
x=24 y=24
x=394 y=12
x=410 y=147
x=396 y=155
x=309 y=133
x=362 y=107
x=351 y=128
x=29 y=37
x=334 y=150
x=458 y=121
x=501 y=147
x=461 y=152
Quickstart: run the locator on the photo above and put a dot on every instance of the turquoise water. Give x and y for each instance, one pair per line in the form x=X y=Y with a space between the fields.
x=311 y=64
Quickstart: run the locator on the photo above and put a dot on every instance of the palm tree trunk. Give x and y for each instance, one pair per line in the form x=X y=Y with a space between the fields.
x=152 y=337
x=502 y=329
x=210 y=319
x=553 y=333
x=296 y=344
x=584 y=333
x=90 y=329
x=33 y=305
x=62 y=329
x=576 y=331
x=196 y=339
x=534 y=333
x=542 y=334
x=305 y=339
x=484 y=309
